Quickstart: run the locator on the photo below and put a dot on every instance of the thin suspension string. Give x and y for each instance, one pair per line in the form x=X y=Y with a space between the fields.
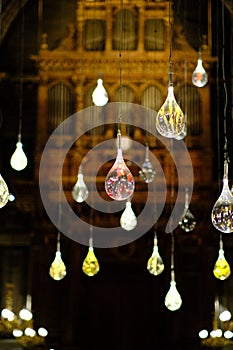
x=170 y=48
x=199 y=25
x=21 y=78
x=120 y=66
x=224 y=77
x=218 y=98
x=171 y=209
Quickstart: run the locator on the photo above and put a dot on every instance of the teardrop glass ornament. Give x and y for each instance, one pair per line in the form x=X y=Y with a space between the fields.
x=222 y=212
x=155 y=263
x=147 y=172
x=128 y=220
x=173 y=299
x=187 y=222
x=100 y=95
x=90 y=264
x=199 y=76
x=18 y=159
x=170 y=118
x=4 y=192
x=119 y=182
x=221 y=269
x=57 y=269
x=80 y=191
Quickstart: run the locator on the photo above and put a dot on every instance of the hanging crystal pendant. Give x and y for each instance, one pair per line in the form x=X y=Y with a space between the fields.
x=100 y=95
x=90 y=264
x=187 y=222
x=80 y=191
x=18 y=159
x=128 y=220
x=4 y=192
x=155 y=263
x=147 y=172
x=170 y=119
x=57 y=269
x=173 y=299
x=199 y=76
x=222 y=212
x=221 y=269
x=119 y=182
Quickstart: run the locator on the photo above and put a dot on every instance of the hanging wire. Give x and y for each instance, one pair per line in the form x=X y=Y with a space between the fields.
x=224 y=77
x=170 y=44
x=21 y=78
x=120 y=66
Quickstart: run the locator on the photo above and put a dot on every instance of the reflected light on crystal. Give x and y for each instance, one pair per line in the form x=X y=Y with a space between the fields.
x=18 y=159
x=17 y=333
x=170 y=119
x=128 y=220
x=30 y=332
x=221 y=269
x=147 y=172
x=25 y=314
x=228 y=334
x=42 y=332
x=199 y=76
x=155 y=263
x=222 y=212
x=100 y=95
x=90 y=264
x=11 y=197
x=57 y=269
x=216 y=333
x=80 y=191
x=173 y=299
x=203 y=334
x=4 y=192
x=8 y=314
x=225 y=316
x=119 y=182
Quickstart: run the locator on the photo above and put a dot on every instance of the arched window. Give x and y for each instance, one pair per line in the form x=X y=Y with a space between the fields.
x=189 y=99
x=151 y=98
x=60 y=106
x=154 y=35
x=94 y=39
x=125 y=35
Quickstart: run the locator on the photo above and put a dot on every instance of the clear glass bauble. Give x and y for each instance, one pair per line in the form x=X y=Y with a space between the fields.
x=173 y=299
x=170 y=120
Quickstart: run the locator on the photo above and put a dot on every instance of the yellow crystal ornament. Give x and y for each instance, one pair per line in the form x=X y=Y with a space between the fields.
x=57 y=269
x=155 y=263
x=90 y=264
x=221 y=269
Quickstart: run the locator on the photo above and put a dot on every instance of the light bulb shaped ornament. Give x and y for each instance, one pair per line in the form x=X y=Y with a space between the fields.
x=80 y=191
x=147 y=172
x=100 y=95
x=90 y=264
x=57 y=269
x=4 y=192
x=173 y=299
x=222 y=212
x=221 y=269
x=170 y=119
x=18 y=159
x=199 y=76
x=128 y=220
x=187 y=222
x=155 y=263
x=119 y=182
